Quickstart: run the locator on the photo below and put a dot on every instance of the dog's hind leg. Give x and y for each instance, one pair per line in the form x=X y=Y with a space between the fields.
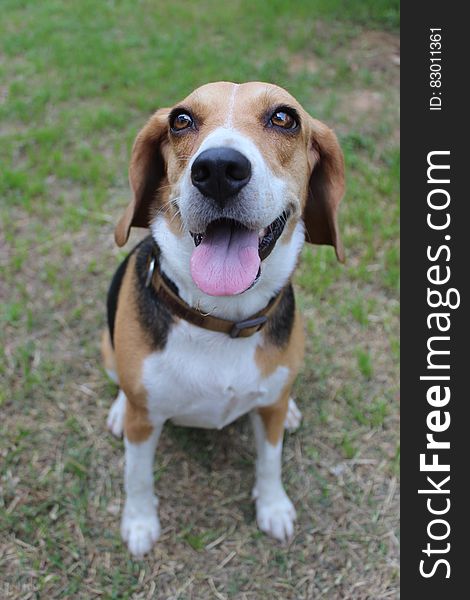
x=117 y=411
x=116 y=415
x=109 y=360
x=293 y=416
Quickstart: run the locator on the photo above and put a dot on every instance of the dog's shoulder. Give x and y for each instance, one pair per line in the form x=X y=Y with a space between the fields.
x=135 y=312
x=279 y=327
x=282 y=338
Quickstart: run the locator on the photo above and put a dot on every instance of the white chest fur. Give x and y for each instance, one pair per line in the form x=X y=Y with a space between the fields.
x=206 y=379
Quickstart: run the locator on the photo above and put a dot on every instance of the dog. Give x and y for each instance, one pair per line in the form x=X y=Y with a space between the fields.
x=202 y=323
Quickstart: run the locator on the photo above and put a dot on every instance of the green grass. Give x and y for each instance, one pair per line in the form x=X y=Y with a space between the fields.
x=77 y=81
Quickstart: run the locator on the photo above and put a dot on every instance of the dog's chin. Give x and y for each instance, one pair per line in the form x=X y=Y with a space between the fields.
x=227 y=256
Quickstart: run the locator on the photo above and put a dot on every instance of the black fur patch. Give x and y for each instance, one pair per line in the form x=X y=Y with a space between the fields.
x=279 y=326
x=113 y=295
x=153 y=315
x=152 y=312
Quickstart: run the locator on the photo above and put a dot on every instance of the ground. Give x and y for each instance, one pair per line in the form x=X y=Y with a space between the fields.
x=77 y=81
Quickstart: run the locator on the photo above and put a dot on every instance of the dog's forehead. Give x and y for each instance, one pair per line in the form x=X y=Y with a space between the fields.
x=223 y=99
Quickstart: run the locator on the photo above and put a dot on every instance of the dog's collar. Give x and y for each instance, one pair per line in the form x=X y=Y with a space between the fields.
x=179 y=307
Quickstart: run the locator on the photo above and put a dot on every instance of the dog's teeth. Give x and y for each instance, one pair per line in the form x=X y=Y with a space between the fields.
x=262 y=233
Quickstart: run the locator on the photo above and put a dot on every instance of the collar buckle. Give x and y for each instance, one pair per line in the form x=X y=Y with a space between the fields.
x=237 y=328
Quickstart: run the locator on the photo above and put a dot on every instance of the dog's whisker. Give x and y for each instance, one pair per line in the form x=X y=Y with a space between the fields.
x=161 y=211
x=164 y=187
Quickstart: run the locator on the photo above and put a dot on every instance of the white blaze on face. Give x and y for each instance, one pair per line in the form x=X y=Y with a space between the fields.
x=231 y=107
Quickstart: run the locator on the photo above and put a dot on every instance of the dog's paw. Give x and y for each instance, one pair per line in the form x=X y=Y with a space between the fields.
x=116 y=415
x=276 y=516
x=293 y=416
x=140 y=532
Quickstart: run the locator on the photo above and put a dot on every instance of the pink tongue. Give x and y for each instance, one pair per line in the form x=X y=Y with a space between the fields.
x=226 y=262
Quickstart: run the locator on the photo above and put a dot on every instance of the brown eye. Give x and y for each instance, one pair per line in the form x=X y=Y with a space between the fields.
x=283 y=119
x=181 y=121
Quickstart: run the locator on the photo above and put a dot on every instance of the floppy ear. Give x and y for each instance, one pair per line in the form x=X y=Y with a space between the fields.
x=325 y=189
x=146 y=171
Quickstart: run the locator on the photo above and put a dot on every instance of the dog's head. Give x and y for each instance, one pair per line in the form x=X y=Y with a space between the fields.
x=231 y=172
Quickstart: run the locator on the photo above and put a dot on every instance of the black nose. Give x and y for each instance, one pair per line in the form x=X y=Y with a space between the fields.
x=220 y=173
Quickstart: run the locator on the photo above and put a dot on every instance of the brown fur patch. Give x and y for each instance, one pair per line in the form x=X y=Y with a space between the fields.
x=146 y=174
x=288 y=231
x=274 y=416
x=325 y=188
x=169 y=211
x=268 y=358
x=131 y=349
x=137 y=426
x=107 y=351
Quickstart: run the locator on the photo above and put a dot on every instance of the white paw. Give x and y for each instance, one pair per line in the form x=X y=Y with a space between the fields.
x=140 y=532
x=276 y=516
x=116 y=415
x=293 y=416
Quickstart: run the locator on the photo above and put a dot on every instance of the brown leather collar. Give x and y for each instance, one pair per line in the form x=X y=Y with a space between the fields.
x=178 y=306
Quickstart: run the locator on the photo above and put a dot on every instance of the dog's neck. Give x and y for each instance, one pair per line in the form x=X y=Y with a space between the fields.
x=276 y=271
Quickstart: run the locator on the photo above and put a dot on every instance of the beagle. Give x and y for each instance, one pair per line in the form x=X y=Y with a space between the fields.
x=202 y=324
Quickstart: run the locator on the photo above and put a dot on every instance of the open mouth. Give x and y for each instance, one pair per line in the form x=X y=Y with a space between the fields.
x=226 y=258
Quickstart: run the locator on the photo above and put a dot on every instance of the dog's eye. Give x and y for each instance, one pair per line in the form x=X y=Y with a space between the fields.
x=281 y=118
x=181 y=121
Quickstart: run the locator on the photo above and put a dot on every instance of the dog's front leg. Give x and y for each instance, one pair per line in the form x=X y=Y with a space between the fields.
x=275 y=513
x=140 y=526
